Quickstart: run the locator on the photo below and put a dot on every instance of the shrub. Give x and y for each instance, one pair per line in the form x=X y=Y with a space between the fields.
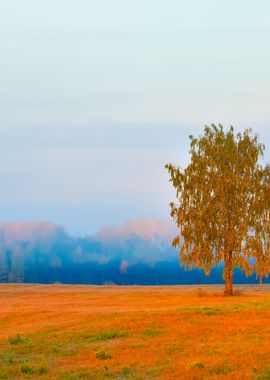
x=103 y=355
x=18 y=339
x=26 y=369
x=197 y=365
x=43 y=369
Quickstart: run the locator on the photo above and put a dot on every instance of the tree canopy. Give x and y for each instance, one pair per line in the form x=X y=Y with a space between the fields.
x=223 y=204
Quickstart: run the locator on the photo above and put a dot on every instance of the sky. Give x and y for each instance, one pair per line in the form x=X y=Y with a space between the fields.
x=97 y=95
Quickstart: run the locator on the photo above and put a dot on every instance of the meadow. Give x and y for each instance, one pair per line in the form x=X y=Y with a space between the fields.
x=180 y=332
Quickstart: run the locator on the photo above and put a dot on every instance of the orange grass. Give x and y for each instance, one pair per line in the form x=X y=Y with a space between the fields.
x=178 y=332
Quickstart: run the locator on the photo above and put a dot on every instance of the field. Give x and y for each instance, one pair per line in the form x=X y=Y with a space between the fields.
x=87 y=332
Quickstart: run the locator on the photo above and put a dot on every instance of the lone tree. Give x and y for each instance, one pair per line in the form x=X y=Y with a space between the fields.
x=223 y=207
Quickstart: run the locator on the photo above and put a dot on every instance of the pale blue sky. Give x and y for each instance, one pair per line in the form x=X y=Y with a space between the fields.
x=95 y=96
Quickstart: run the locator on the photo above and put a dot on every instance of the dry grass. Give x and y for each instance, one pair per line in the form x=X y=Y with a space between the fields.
x=81 y=332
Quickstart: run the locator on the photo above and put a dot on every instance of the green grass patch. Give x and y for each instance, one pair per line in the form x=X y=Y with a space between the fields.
x=125 y=373
x=7 y=357
x=9 y=373
x=27 y=369
x=77 y=375
x=110 y=334
x=219 y=309
x=108 y=373
x=222 y=369
x=67 y=348
x=18 y=339
x=263 y=375
x=213 y=310
x=151 y=332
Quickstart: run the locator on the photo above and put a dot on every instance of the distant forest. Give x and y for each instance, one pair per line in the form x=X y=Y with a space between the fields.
x=43 y=253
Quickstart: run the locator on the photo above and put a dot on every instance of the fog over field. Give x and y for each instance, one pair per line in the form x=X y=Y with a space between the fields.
x=136 y=252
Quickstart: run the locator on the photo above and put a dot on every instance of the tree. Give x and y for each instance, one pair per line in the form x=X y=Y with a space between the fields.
x=223 y=209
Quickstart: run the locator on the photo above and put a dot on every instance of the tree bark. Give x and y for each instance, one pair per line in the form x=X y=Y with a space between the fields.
x=229 y=286
x=228 y=275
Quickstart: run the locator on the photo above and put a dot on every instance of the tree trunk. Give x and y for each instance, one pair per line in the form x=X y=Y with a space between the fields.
x=228 y=275
x=229 y=286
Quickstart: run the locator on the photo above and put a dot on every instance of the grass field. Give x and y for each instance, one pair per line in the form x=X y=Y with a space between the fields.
x=87 y=332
